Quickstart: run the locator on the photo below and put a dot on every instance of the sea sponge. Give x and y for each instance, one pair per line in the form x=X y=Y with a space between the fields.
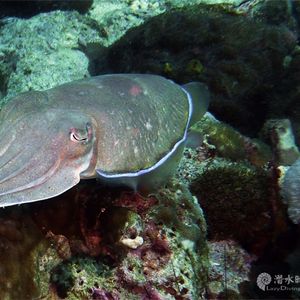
x=291 y=191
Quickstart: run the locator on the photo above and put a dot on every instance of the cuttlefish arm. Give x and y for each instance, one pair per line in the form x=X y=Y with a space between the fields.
x=43 y=153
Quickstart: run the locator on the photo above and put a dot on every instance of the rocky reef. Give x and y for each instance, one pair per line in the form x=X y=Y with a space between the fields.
x=221 y=220
x=197 y=44
x=231 y=264
x=93 y=242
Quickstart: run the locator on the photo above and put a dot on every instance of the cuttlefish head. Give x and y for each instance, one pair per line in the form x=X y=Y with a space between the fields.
x=43 y=154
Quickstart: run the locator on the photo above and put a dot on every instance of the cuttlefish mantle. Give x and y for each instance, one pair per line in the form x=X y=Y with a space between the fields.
x=123 y=129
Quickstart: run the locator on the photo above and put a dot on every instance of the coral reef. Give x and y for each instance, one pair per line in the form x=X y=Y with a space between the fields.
x=93 y=241
x=230 y=144
x=153 y=266
x=279 y=134
x=230 y=268
x=38 y=62
x=248 y=195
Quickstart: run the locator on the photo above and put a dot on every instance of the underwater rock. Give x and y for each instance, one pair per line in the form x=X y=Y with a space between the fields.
x=59 y=46
x=231 y=144
x=93 y=242
x=291 y=191
x=169 y=264
x=288 y=95
x=272 y=12
x=232 y=193
x=220 y=140
x=115 y=18
x=240 y=69
x=229 y=269
x=42 y=60
x=285 y=97
x=26 y=9
x=73 y=246
x=279 y=134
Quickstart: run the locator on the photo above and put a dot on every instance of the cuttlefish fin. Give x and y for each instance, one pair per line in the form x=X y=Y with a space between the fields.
x=200 y=97
x=43 y=157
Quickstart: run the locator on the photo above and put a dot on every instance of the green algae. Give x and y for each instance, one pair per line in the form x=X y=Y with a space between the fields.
x=190 y=223
x=231 y=144
x=76 y=277
x=194 y=67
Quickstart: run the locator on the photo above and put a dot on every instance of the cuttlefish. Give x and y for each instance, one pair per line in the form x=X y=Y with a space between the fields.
x=125 y=129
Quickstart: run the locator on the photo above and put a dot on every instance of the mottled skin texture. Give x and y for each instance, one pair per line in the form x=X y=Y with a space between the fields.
x=112 y=123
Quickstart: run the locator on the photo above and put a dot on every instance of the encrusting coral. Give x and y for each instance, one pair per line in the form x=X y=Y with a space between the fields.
x=94 y=241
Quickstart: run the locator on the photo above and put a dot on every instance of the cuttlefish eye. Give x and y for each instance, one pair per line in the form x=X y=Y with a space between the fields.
x=80 y=135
